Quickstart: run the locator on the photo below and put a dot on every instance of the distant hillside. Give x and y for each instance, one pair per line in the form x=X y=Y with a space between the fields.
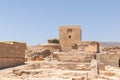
x=109 y=43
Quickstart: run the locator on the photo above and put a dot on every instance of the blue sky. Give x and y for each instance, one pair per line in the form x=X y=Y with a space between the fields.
x=35 y=21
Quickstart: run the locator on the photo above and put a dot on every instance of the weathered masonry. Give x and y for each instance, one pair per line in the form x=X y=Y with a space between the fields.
x=12 y=54
x=109 y=59
x=88 y=46
x=69 y=35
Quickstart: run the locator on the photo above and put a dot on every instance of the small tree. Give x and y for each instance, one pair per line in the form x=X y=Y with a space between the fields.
x=53 y=41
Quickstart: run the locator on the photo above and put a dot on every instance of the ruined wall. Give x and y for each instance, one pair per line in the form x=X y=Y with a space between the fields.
x=51 y=46
x=82 y=45
x=11 y=54
x=72 y=56
x=69 y=35
x=109 y=59
x=88 y=46
x=93 y=47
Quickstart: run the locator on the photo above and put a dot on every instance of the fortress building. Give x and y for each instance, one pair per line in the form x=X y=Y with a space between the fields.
x=68 y=36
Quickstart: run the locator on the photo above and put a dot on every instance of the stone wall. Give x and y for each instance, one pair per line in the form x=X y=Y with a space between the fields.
x=109 y=59
x=73 y=56
x=88 y=46
x=69 y=35
x=51 y=46
x=12 y=54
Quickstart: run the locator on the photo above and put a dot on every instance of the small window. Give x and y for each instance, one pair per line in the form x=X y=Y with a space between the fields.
x=69 y=30
x=69 y=36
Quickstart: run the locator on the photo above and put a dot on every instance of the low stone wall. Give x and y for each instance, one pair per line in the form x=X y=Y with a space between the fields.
x=8 y=62
x=60 y=65
x=72 y=56
x=88 y=46
x=12 y=54
x=109 y=59
x=51 y=46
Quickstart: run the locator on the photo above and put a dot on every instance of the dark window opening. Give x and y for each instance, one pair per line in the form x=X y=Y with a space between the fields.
x=69 y=36
x=119 y=62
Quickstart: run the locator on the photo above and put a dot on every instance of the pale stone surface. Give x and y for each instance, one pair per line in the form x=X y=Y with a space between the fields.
x=31 y=71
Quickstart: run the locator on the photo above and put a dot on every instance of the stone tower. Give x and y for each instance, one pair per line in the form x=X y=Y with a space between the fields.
x=69 y=35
